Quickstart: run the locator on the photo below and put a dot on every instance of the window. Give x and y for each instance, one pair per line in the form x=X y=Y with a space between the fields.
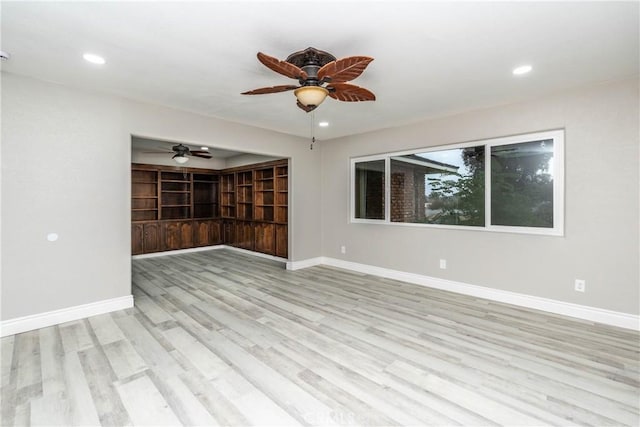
x=522 y=184
x=439 y=187
x=369 y=189
x=506 y=184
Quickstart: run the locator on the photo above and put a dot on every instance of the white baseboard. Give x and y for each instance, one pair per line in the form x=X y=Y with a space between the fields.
x=254 y=253
x=593 y=314
x=55 y=317
x=305 y=263
x=178 y=251
x=208 y=248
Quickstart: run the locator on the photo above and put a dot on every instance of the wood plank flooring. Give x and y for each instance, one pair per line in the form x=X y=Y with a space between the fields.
x=224 y=338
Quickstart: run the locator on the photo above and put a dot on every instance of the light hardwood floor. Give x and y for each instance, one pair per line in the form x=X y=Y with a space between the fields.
x=223 y=338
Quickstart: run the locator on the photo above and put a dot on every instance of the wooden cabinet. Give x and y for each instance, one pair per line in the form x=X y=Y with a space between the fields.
x=244 y=195
x=176 y=235
x=228 y=195
x=175 y=195
x=171 y=235
x=144 y=195
x=179 y=207
x=282 y=241
x=244 y=235
x=145 y=238
x=228 y=232
x=206 y=233
x=137 y=233
x=281 y=202
x=264 y=194
x=205 y=195
x=264 y=237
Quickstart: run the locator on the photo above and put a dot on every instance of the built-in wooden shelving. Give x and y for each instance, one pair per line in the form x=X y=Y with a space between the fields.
x=178 y=208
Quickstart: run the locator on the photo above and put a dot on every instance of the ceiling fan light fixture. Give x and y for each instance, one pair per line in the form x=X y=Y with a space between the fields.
x=311 y=95
x=181 y=159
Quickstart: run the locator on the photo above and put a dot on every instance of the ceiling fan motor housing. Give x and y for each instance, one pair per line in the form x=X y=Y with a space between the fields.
x=310 y=60
x=180 y=150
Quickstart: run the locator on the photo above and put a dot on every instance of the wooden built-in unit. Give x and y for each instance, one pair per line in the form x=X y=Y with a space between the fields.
x=179 y=208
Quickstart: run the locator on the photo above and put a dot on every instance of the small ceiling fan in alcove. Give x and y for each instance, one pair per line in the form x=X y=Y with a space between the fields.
x=181 y=153
x=319 y=75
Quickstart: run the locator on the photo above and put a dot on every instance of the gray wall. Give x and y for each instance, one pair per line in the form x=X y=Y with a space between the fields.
x=65 y=168
x=166 y=160
x=601 y=203
x=246 y=159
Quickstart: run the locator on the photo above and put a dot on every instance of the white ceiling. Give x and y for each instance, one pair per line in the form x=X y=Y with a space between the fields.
x=431 y=58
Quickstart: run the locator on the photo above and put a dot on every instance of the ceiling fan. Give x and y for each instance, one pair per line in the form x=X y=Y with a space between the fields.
x=319 y=74
x=181 y=153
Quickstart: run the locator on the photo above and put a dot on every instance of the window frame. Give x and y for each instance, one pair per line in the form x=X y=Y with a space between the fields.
x=557 y=135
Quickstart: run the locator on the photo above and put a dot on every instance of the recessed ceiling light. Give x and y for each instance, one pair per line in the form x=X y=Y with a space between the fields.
x=94 y=59
x=523 y=69
x=204 y=148
x=323 y=124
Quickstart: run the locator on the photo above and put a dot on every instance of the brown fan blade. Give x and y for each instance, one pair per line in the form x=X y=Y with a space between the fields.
x=349 y=93
x=282 y=67
x=305 y=107
x=198 y=154
x=272 y=89
x=344 y=70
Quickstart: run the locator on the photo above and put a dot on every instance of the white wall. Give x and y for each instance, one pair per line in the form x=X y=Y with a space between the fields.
x=66 y=169
x=601 y=243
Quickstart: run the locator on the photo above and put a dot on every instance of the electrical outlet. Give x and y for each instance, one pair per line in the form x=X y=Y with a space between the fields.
x=580 y=285
x=343 y=249
x=443 y=264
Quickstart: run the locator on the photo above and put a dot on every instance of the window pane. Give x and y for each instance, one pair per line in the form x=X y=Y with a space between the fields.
x=369 y=189
x=439 y=187
x=522 y=184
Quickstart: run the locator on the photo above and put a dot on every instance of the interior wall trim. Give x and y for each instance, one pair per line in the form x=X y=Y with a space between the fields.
x=56 y=317
x=583 y=312
x=209 y=248
x=178 y=252
x=305 y=263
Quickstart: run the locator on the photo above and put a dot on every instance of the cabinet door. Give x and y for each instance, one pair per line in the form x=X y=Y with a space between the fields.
x=201 y=233
x=151 y=237
x=137 y=233
x=264 y=238
x=186 y=234
x=228 y=233
x=215 y=234
x=244 y=235
x=282 y=241
x=171 y=235
x=206 y=233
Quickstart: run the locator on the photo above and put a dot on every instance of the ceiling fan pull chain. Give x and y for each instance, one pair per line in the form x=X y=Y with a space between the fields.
x=313 y=138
